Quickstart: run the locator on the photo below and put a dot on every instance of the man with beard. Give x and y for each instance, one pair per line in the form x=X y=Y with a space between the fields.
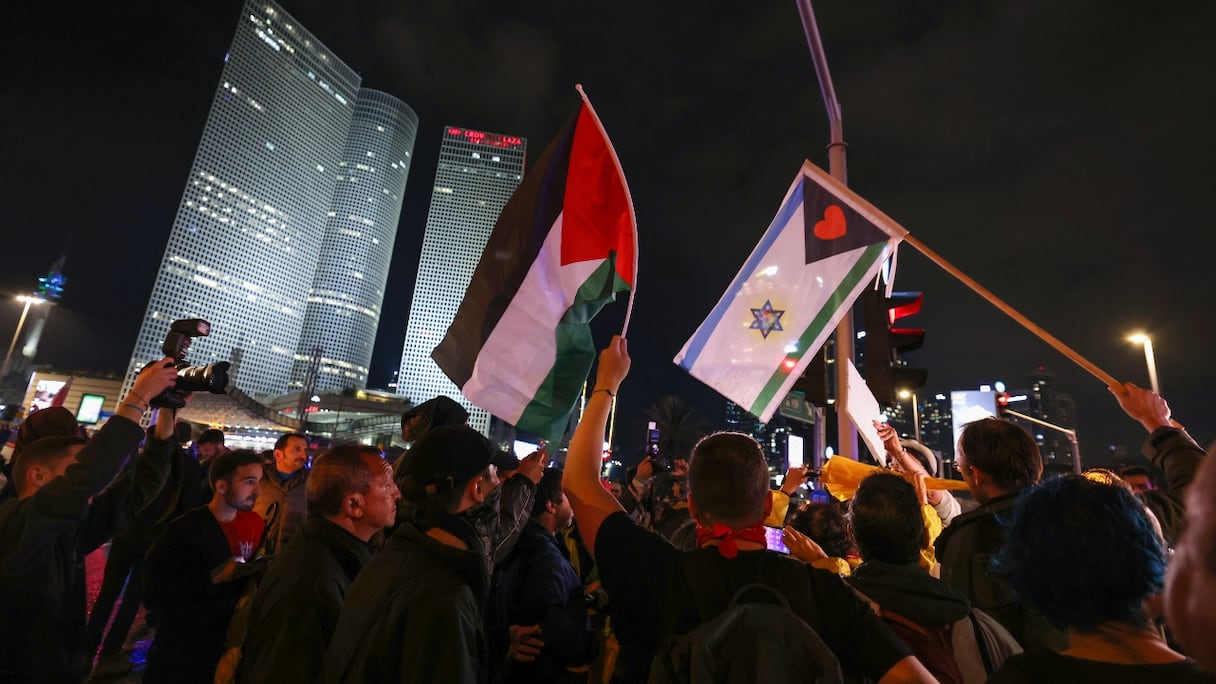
x=198 y=571
x=283 y=501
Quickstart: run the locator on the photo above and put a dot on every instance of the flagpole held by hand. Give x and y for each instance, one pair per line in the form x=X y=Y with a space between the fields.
x=1012 y=312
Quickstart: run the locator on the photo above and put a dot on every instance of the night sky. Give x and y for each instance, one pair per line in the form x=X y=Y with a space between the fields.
x=1060 y=153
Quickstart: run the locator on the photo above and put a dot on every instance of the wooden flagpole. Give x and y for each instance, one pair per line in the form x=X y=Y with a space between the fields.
x=1013 y=313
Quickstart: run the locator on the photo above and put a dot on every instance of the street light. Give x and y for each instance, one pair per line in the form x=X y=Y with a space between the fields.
x=1149 y=359
x=29 y=301
x=908 y=394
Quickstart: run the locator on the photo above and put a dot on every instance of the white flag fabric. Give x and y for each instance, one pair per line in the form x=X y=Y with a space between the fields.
x=824 y=245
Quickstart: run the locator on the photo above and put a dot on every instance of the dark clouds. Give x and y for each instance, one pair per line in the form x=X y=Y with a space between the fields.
x=1060 y=153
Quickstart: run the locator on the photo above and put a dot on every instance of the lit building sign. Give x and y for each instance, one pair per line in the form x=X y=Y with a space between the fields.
x=480 y=138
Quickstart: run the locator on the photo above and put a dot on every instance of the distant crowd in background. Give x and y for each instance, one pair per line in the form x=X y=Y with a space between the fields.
x=455 y=561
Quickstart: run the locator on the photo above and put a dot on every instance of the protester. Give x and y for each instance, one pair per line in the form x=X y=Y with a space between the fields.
x=729 y=497
x=910 y=456
x=209 y=445
x=1139 y=478
x=351 y=496
x=438 y=412
x=60 y=515
x=416 y=612
x=1190 y=591
x=542 y=588
x=1086 y=555
x=122 y=582
x=1168 y=447
x=955 y=642
x=282 y=499
x=997 y=459
x=52 y=421
x=198 y=570
x=824 y=525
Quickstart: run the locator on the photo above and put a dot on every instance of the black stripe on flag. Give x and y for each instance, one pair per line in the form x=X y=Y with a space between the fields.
x=514 y=244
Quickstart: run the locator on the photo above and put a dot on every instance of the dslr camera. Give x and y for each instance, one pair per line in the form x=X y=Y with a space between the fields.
x=211 y=378
x=661 y=462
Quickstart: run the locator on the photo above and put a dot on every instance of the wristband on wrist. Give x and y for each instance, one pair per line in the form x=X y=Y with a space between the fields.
x=605 y=391
x=137 y=407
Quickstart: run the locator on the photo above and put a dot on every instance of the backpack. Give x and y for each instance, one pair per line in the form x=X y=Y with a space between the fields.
x=758 y=638
x=968 y=650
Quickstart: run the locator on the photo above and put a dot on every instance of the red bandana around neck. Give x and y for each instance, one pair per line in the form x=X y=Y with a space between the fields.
x=726 y=537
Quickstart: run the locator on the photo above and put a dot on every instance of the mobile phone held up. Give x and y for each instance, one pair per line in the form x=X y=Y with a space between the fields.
x=661 y=462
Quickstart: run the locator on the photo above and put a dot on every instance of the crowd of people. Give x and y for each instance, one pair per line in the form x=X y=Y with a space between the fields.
x=458 y=562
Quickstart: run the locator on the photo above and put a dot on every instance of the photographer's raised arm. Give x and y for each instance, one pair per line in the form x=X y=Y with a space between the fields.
x=100 y=461
x=591 y=502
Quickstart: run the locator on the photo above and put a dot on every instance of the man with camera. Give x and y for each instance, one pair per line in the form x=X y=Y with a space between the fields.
x=61 y=513
x=728 y=496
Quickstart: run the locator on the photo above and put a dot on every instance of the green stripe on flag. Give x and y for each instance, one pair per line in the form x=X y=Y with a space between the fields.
x=549 y=410
x=835 y=301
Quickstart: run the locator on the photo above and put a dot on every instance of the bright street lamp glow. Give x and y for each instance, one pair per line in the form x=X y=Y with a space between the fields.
x=904 y=394
x=1138 y=338
x=30 y=300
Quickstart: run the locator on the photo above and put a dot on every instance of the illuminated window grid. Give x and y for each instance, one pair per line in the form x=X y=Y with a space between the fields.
x=245 y=242
x=476 y=175
x=344 y=303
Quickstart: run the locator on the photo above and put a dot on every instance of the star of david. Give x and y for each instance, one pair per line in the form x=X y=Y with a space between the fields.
x=767 y=318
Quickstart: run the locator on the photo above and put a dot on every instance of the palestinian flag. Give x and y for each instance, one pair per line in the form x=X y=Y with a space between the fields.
x=520 y=346
x=822 y=248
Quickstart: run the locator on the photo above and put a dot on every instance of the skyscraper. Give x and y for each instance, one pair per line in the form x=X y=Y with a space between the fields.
x=344 y=302
x=245 y=244
x=477 y=174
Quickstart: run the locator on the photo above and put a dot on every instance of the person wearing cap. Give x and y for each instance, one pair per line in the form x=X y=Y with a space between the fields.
x=416 y=612
x=438 y=412
x=512 y=502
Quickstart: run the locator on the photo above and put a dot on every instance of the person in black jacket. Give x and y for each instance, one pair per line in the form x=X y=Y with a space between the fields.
x=61 y=514
x=416 y=613
x=541 y=588
x=351 y=496
x=998 y=460
x=198 y=570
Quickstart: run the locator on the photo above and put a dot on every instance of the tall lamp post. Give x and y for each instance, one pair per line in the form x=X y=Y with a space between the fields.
x=908 y=394
x=29 y=301
x=1149 y=359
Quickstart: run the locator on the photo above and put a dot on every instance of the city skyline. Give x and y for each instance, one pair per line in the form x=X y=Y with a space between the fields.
x=1061 y=166
x=258 y=247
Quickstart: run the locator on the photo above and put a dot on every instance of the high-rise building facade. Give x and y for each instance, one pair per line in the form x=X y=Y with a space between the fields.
x=245 y=244
x=477 y=173
x=347 y=292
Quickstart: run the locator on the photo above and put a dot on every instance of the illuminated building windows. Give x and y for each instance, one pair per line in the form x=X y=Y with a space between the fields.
x=465 y=203
x=255 y=217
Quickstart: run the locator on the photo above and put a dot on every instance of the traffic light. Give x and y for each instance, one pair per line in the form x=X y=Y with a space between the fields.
x=885 y=372
x=1002 y=403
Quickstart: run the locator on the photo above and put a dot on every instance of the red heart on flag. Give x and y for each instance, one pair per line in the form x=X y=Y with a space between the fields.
x=833 y=224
